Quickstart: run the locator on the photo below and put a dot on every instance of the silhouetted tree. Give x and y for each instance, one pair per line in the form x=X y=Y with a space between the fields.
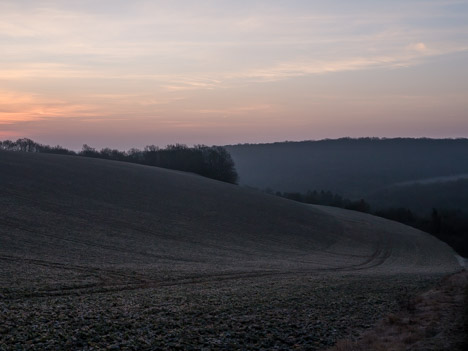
x=361 y=206
x=7 y=145
x=218 y=164
x=213 y=162
x=112 y=154
x=88 y=151
x=135 y=155
x=436 y=221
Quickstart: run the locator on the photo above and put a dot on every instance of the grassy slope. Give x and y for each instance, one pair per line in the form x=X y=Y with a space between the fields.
x=86 y=211
x=72 y=227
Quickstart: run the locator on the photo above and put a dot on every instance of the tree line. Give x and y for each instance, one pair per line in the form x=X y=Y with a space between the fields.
x=209 y=161
x=448 y=225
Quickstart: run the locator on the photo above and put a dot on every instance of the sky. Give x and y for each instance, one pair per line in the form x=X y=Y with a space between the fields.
x=132 y=73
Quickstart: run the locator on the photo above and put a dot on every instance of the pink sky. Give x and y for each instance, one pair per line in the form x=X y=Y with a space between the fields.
x=124 y=74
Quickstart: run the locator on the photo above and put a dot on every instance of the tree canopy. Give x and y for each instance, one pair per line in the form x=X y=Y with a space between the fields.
x=209 y=161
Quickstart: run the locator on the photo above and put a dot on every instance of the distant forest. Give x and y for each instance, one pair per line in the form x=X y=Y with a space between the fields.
x=355 y=168
x=418 y=197
x=448 y=225
x=209 y=161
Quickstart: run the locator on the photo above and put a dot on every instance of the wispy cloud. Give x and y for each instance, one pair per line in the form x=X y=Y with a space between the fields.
x=238 y=110
x=411 y=55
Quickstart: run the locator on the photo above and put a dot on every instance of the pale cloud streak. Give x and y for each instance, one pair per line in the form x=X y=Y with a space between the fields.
x=411 y=55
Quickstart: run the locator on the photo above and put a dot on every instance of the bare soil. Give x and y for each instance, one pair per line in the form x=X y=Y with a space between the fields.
x=99 y=255
x=434 y=320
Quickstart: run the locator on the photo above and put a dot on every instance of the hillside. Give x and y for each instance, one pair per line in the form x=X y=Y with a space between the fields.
x=107 y=253
x=350 y=167
x=421 y=197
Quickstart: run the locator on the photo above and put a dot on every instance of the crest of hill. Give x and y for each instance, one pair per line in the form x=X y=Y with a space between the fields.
x=73 y=211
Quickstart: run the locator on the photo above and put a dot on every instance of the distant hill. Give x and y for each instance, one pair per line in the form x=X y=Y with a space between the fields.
x=354 y=168
x=424 y=196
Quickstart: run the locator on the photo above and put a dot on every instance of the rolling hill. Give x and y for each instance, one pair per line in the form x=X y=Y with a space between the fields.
x=96 y=254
